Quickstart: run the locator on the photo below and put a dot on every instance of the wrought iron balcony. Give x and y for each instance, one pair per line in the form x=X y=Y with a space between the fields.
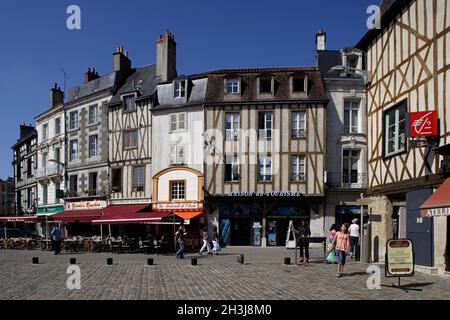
x=346 y=180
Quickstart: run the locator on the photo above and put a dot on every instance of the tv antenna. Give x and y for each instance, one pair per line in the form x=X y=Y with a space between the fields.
x=66 y=76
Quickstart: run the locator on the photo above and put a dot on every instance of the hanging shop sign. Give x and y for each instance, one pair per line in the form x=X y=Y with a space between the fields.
x=423 y=124
x=399 y=258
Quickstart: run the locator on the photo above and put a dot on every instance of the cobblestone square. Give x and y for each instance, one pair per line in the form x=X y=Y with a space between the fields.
x=262 y=277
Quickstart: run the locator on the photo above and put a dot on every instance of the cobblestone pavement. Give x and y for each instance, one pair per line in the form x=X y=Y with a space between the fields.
x=262 y=277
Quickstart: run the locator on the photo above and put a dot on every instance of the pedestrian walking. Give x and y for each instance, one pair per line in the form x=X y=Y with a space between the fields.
x=342 y=243
x=331 y=257
x=215 y=241
x=180 y=236
x=56 y=236
x=304 y=232
x=354 y=236
x=206 y=244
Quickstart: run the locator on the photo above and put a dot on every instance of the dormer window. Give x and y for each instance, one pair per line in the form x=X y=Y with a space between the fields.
x=352 y=61
x=129 y=103
x=179 y=89
x=299 y=83
x=265 y=85
x=233 y=85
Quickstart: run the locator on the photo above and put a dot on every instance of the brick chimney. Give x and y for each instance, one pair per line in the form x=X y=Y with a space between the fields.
x=321 y=40
x=56 y=96
x=166 y=57
x=121 y=62
x=90 y=75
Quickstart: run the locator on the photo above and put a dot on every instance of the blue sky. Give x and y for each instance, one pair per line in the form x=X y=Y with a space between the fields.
x=210 y=34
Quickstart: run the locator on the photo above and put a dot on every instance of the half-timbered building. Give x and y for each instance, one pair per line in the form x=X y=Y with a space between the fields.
x=265 y=149
x=408 y=61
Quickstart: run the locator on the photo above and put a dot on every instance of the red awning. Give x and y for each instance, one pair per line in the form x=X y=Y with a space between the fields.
x=29 y=219
x=129 y=214
x=84 y=216
x=438 y=204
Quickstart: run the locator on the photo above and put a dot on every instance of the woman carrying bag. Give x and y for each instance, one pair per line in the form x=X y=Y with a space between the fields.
x=331 y=258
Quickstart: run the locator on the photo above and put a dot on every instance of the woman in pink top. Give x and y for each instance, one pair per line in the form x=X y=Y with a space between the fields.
x=341 y=242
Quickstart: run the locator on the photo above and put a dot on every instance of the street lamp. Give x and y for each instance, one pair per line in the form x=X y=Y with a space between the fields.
x=364 y=73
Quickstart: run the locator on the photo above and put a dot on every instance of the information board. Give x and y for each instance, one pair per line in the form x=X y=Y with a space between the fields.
x=399 y=258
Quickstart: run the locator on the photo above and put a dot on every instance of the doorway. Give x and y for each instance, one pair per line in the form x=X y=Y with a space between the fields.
x=240 y=232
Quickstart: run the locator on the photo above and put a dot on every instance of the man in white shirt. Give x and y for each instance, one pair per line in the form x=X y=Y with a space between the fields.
x=354 y=236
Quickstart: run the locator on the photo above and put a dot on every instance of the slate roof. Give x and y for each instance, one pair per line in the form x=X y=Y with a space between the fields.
x=316 y=88
x=146 y=74
x=106 y=82
x=32 y=133
x=327 y=59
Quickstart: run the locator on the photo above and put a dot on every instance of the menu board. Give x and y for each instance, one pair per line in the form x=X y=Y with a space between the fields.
x=399 y=258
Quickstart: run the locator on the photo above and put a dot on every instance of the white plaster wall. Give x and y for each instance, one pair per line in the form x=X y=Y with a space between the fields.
x=191 y=184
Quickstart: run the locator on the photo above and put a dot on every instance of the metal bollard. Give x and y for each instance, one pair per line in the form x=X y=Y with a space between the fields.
x=35 y=260
x=287 y=260
x=149 y=261
x=73 y=261
x=194 y=261
x=240 y=259
x=109 y=261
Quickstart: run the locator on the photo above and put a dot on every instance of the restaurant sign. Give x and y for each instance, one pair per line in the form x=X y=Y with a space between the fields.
x=86 y=205
x=399 y=258
x=177 y=205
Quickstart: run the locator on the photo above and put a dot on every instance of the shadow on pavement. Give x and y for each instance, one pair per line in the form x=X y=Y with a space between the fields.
x=410 y=286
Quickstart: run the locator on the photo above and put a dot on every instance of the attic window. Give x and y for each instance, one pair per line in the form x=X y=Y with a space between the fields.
x=233 y=85
x=265 y=85
x=129 y=103
x=180 y=89
x=299 y=83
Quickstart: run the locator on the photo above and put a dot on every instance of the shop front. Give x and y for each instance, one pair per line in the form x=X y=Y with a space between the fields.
x=256 y=219
x=178 y=191
x=45 y=221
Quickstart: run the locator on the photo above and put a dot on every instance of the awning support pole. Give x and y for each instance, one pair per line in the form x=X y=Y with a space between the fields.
x=101 y=231
x=6 y=236
x=109 y=227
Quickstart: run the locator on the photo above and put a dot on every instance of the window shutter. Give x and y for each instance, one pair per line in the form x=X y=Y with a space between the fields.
x=173 y=155
x=181 y=155
x=173 y=122
x=182 y=121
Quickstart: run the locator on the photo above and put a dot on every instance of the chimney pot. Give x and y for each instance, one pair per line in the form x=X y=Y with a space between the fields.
x=166 y=56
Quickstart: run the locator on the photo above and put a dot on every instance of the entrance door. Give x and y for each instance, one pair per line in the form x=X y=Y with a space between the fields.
x=419 y=230
x=240 y=232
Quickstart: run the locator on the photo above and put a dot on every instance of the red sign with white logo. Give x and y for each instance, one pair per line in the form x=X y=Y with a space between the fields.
x=423 y=124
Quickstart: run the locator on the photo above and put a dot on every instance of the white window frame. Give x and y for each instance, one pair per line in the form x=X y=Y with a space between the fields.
x=396 y=134
x=45 y=132
x=73 y=120
x=234 y=119
x=233 y=85
x=349 y=159
x=265 y=167
x=95 y=120
x=57 y=124
x=298 y=124
x=71 y=155
x=177 y=154
x=180 y=190
x=95 y=154
x=179 y=89
x=180 y=121
x=298 y=168
x=233 y=161
x=352 y=106
x=264 y=132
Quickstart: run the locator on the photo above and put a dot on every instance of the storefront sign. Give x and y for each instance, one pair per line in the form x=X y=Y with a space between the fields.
x=438 y=212
x=177 y=205
x=423 y=124
x=85 y=205
x=399 y=258
x=265 y=194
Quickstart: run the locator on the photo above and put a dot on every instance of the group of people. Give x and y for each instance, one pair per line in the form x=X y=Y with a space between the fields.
x=181 y=237
x=343 y=243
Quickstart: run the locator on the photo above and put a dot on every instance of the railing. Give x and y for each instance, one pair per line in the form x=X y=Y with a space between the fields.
x=346 y=180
